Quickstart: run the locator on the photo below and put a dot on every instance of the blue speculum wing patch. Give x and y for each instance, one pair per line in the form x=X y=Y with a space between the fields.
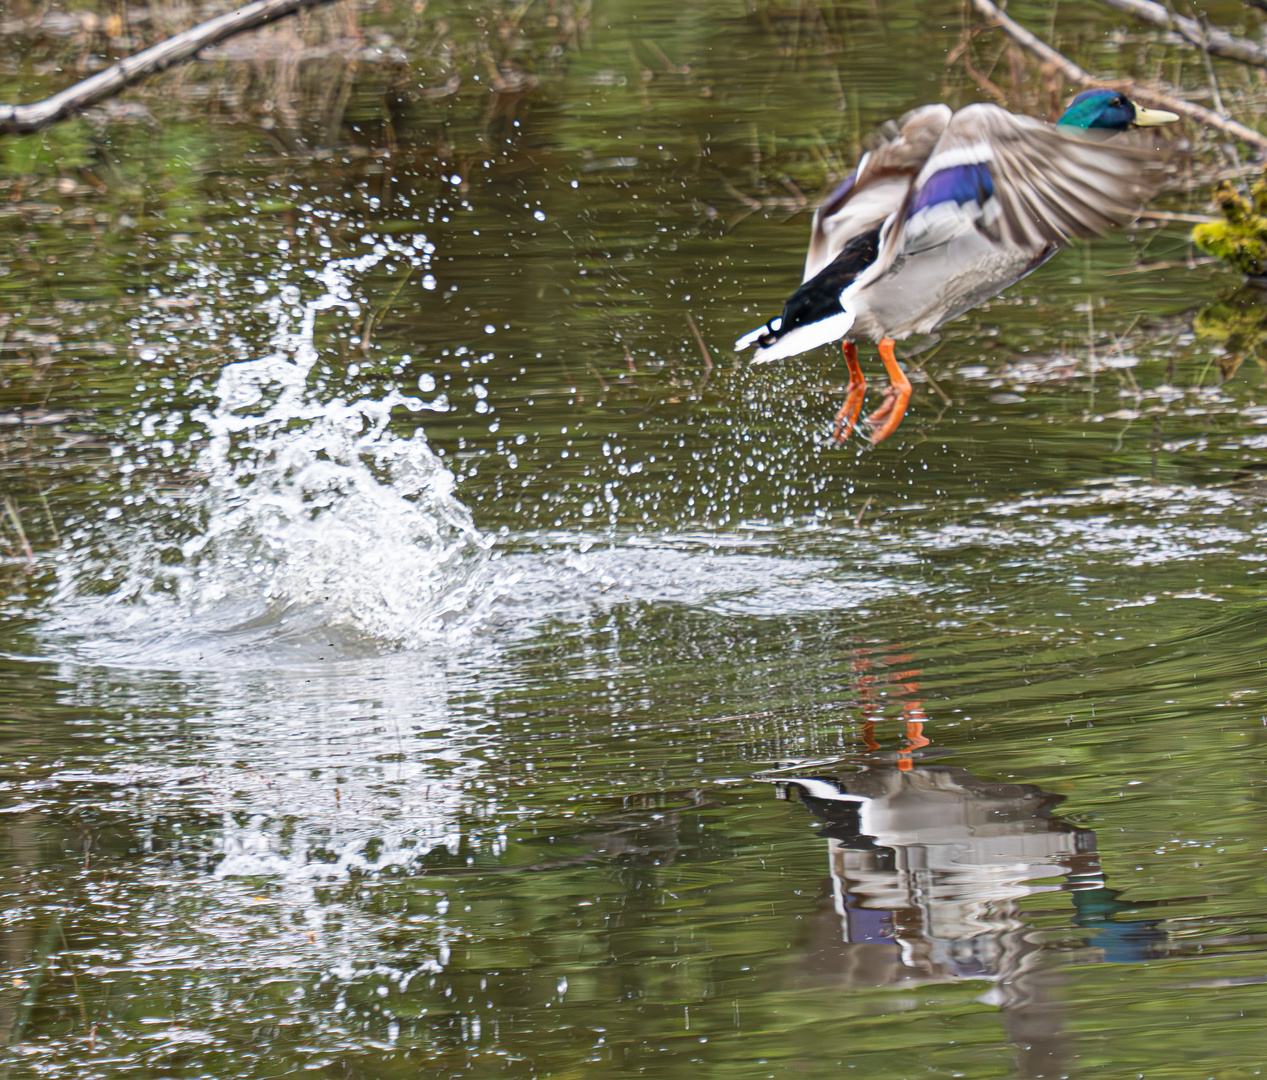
x=958 y=184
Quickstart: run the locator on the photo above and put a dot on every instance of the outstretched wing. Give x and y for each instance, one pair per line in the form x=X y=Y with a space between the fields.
x=1021 y=182
x=876 y=189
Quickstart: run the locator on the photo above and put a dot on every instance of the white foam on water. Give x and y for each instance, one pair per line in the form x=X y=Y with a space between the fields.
x=312 y=526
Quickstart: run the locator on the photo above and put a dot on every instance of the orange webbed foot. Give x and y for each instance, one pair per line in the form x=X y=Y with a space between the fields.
x=854 y=391
x=897 y=396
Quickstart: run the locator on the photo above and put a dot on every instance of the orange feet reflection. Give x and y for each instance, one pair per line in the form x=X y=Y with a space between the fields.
x=871 y=674
x=915 y=737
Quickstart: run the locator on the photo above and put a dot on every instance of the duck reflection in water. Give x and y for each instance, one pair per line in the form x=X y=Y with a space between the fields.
x=929 y=867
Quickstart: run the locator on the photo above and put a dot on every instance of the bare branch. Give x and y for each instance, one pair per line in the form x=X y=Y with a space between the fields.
x=1212 y=40
x=19 y=119
x=1144 y=94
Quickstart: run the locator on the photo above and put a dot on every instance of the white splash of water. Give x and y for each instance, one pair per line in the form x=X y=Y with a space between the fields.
x=313 y=524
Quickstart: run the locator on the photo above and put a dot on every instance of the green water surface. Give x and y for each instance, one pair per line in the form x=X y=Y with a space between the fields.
x=738 y=755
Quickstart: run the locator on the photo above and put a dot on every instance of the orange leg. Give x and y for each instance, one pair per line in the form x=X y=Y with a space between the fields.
x=848 y=415
x=896 y=397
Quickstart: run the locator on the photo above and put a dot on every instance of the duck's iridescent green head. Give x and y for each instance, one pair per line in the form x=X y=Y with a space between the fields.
x=1109 y=110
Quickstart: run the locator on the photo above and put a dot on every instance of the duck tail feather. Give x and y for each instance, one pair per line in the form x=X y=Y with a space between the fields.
x=799 y=339
x=752 y=337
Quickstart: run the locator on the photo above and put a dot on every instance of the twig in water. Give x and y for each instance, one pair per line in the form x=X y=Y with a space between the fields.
x=11 y=512
x=48 y=513
x=44 y=954
x=1165 y=264
x=1125 y=373
x=74 y=981
x=708 y=359
x=372 y=318
x=747 y=200
x=937 y=389
x=920 y=365
x=797 y=193
x=1121 y=338
x=1095 y=360
x=857 y=521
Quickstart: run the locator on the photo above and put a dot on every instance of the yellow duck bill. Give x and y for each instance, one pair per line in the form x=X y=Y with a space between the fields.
x=1153 y=117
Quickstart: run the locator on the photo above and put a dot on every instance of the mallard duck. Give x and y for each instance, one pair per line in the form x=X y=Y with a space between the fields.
x=952 y=209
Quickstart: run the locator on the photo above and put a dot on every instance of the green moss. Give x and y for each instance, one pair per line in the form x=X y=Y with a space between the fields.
x=1240 y=238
